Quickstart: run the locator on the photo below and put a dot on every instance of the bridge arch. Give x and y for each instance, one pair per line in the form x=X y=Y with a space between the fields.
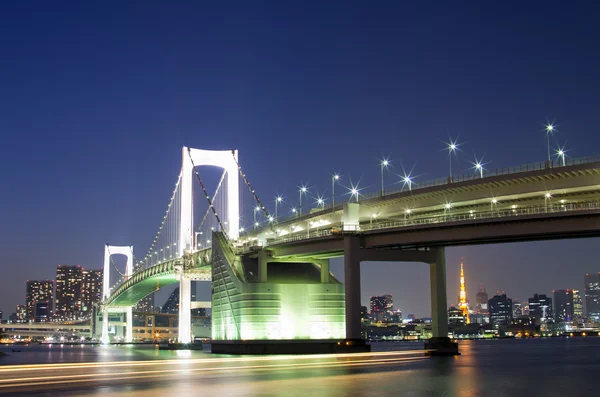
x=225 y=159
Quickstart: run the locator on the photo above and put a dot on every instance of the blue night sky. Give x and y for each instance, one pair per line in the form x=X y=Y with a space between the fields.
x=96 y=102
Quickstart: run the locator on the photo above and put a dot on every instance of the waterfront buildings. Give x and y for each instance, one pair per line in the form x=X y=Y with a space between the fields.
x=592 y=295
x=146 y=305
x=540 y=308
x=39 y=292
x=500 y=308
x=563 y=305
x=481 y=301
x=91 y=290
x=381 y=307
x=69 y=294
x=577 y=305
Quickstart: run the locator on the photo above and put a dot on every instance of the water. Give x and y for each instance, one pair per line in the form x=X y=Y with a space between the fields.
x=501 y=368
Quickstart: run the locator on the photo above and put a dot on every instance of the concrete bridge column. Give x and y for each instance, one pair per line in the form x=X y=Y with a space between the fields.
x=263 y=261
x=352 y=286
x=185 y=310
x=129 y=325
x=104 y=339
x=439 y=303
x=324 y=270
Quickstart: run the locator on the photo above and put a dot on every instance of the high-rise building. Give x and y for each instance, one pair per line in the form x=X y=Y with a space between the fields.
x=592 y=295
x=146 y=305
x=577 y=305
x=172 y=303
x=0 y=315
x=563 y=305
x=42 y=312
x=381 y=307
x=456 y=316
x=69 y=283
x=91 y=290
x=540 y=308
x=38 y=291
x=500 y=308
x=517 y=309
x=21 y=313
x=481 y=301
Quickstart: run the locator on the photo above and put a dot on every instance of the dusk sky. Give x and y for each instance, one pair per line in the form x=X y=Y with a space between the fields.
x=96 y=102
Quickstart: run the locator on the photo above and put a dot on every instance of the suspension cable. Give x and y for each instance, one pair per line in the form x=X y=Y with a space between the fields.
x=214 y=196
x=149 y=253
x=210 y=204
x=113 y=262
x=262 y=207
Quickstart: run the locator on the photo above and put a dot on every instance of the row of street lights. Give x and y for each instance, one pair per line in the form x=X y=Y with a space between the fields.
x=407 y=179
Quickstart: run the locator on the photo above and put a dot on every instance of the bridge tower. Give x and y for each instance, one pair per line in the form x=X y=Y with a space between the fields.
x=110 y=250
x=227 y=160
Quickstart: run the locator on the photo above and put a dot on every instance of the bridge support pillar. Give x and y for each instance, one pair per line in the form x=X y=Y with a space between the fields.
x=263 y=261
x=324 y=271
x=439 y=344
x=104 y=338
x=185 y=310
x=352 y=286
x=129 y=325
x=439 y=303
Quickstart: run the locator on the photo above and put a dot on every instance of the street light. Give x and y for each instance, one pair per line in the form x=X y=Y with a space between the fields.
x=549 y=130
x=278 y=200
x=303 y=190
x=561 y=154
x=321 y=202
x=383 y=164
x=354 y=191
x=256 y=209
x=478 y=166
x=452 y=147
x=334 y=178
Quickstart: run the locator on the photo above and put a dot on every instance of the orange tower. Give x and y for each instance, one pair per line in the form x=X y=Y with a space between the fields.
x=463 y=305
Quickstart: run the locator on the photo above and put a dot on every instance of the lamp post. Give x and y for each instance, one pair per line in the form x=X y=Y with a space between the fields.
x=383 y=164
x=334 y=178
x=278 y=200
x=303 y=190
x=452 y=147
x=561 y=154
x=549 y=130
x=256 y=209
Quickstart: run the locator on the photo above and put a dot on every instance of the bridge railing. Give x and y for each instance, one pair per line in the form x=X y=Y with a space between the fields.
x=470 y=176
x=448 y=217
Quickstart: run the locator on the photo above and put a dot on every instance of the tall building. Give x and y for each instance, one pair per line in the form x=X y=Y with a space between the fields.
x=91 y=290
x=577 y=305
x=0 y=315
x=38 y=291
x=481 y=300
x=540 y=308
x=21 y=313
x=501 y=312
x=172 y=303
x=592 y=295
x=381 y=307
x=146 y=305
x=69 y=283
x=42 y=312
x=456 y=316
x=563 y=305
x=463 y=305
x=517 y=309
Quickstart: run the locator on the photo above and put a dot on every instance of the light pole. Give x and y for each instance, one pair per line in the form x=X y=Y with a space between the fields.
x=278 y=200
x=334 y=178
x=549 y=131
x=452 y=147
x=321 y=202
x=561 y=154
x=256 y=209
x=547 y=197
x=383 y=164
x=478 y=166
x=303 y=190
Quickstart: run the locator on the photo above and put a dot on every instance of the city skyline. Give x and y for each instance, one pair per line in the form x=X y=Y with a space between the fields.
x=302 y=93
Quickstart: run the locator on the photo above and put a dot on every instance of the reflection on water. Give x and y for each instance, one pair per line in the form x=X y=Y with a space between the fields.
x=502 y=368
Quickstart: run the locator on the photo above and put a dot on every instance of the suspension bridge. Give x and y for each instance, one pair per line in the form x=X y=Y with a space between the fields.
x=273 y=281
